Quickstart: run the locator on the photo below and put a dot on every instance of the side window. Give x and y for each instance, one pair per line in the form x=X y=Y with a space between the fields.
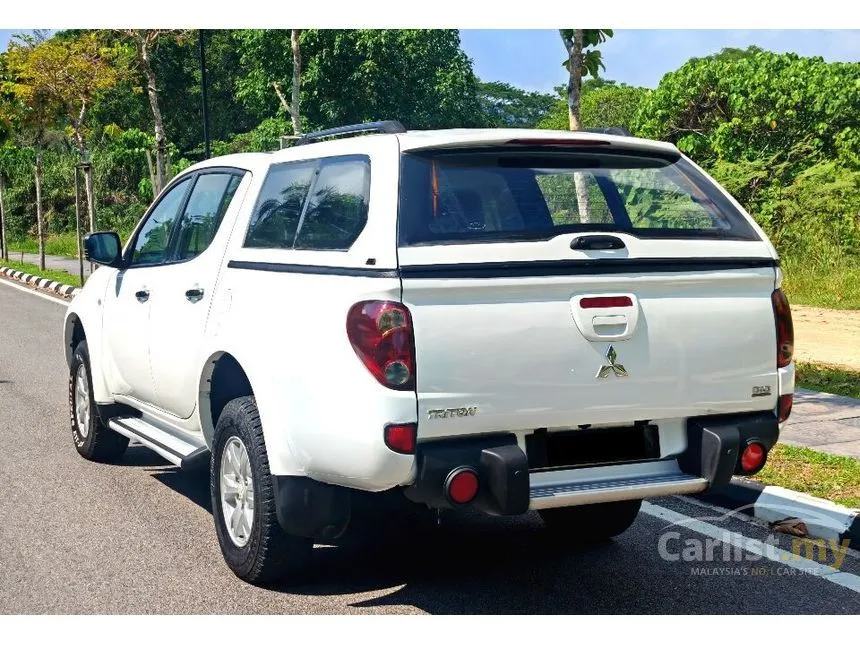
x=206 y=206
x=276 y=218
x=337 y=210
x=150 y=247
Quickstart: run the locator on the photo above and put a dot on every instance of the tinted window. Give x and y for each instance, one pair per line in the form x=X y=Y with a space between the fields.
x=150 y=247
x=276 y=218
x=506 y=196
x=206 y=206
x=337 y=210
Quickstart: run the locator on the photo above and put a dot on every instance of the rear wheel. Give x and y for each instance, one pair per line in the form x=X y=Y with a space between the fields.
x=593 y=522
x=92 y=438
x=252 y=541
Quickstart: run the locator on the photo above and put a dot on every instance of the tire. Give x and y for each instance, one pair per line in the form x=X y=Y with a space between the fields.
x=591 y=523
x=93 y=440
x=262 y=552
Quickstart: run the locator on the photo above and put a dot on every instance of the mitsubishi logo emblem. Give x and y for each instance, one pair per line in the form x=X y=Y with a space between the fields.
x=617 y=368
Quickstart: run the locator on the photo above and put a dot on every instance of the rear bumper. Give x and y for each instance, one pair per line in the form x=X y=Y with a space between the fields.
x=508 y=487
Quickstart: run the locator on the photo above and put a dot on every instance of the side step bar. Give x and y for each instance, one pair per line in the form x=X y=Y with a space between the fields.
x=177 y=450
x=610 y=484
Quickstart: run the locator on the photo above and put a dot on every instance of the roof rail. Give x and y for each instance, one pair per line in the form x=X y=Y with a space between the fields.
x=385 y=127
x=616 y=130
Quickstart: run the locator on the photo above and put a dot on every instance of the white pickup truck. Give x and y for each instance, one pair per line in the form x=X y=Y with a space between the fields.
x=500 y=320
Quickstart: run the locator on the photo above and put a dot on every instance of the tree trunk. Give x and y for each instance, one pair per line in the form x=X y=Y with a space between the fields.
x=4 y=249
x=574 y=87
x=152 y=180
x=297 y=81
x=91 y=200
x=40 y=218
x=160 y=136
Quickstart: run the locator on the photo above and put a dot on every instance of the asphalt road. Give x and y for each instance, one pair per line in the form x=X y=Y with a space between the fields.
x=137 y=536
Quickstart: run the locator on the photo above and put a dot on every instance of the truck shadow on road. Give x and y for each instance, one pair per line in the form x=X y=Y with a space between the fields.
x=395 y=555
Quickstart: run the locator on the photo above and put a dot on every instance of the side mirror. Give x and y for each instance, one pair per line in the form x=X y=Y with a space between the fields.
x=103 y=248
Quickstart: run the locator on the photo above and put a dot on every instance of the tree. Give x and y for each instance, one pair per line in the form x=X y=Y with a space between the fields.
x=753 y=104
x=145 y=41
x=604 y=104
x=580 y=62
x=265 y=55
x=505 y=106
x=419 y=76
x=69 y=73
x=29 y=112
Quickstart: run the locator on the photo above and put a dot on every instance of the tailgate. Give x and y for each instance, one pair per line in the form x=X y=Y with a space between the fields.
x=658 y=307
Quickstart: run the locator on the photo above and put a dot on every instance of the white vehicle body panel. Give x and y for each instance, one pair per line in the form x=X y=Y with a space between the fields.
x=516 y=348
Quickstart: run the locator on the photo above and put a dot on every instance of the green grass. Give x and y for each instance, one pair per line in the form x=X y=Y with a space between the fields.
x=51 y=274
x=829 y=476
x=833 y=283
x=826 y=378
x=63 y=244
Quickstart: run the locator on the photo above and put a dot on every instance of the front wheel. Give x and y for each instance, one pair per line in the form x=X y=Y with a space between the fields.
x=252 y=541
x=92 y=438
x=593 y=522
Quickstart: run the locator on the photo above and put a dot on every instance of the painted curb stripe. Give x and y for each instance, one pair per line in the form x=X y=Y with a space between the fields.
x=45 y=284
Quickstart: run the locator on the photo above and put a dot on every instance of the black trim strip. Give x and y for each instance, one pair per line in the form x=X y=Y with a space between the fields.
x=539 y=268
x=364 y=272
x=149 y=439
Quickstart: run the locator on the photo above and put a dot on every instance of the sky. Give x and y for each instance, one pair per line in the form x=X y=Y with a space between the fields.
x=531 y=58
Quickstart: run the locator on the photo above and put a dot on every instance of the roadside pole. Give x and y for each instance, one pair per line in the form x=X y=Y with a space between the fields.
x=4 y=250
x=78 y=224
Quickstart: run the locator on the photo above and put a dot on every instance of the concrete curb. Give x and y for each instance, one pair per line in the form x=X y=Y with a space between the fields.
x=823 y=519
x=41 y=284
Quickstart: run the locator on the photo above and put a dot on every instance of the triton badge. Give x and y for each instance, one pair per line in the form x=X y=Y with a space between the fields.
x=613 y=366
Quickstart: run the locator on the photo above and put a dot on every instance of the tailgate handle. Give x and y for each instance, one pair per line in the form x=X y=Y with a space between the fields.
x=597 y=243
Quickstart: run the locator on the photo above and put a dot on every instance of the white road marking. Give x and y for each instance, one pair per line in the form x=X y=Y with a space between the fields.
x=34 y=292
x=751 y=545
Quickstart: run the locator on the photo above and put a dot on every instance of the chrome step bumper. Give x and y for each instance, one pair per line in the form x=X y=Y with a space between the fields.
x=552 y=489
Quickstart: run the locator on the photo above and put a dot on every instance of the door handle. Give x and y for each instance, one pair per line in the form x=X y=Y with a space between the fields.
x=194 y=295
x=597 y=243
x=142 y=295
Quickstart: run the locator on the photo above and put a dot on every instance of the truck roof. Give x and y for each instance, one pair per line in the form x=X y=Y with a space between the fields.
x=450 y=138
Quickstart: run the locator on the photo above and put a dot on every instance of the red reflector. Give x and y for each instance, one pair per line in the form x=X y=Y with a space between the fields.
x=400 y=437
x=753 y=457
x=783 y=407
x=462 y=485
x=603 y=302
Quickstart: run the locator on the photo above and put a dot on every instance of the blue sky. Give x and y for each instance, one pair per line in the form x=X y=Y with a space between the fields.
x=531 y=58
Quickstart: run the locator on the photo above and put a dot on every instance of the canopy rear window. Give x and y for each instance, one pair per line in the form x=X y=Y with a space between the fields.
x=504 y=195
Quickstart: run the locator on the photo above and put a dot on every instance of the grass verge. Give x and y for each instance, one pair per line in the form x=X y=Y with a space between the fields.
x=826 y=378
x=832 y=477
x=833 y=283
x=51 y=274
x=63 y=244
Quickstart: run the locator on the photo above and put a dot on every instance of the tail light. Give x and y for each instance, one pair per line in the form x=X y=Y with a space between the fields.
x=784 y=328
x=380 y=332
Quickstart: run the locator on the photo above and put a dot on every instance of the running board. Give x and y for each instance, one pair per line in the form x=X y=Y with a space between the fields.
x=610 y=484
x=179 y=451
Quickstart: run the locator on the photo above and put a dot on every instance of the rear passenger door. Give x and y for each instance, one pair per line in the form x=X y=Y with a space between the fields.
x=181 y=298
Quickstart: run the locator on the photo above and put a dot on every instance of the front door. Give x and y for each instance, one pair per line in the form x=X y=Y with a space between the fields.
x=127 y=299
